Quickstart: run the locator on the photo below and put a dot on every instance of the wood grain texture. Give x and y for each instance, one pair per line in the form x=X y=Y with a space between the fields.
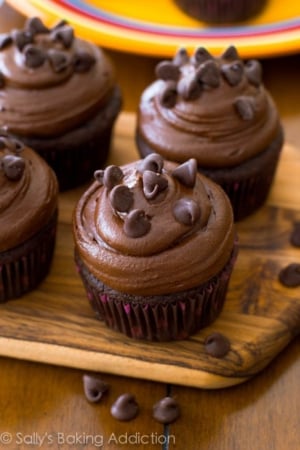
x=55 y=324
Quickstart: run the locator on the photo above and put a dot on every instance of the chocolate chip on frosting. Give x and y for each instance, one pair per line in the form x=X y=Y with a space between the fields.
x=209 y=74
x=166 y=410
x=200 y=56
x=181 y=57
x=253 y=71
x=136 y=224
x=233 y=72
x=110 y=177
x=168 y=95
x=186 y=173
x=94 y=388
x=153 y=184
x=83 y=61
x=290 y=275
x=34 y=56
x=153 y=162
x=121 y=198
x=217 y=345
x=245 y=107
x=58 y=60
x=166 y=70
x=5 y=40
x=189 y=88
x=125 y=407
x=64 y=34
x=13 y=166
x=22 y=38
x=36 y=26
x=186 y=211
x=230 y=54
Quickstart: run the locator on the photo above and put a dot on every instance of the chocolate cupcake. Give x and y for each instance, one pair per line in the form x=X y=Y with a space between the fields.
x=216 y=110
x=155 y=247
x=59 y=95
x=221 y=11
x=28 y=218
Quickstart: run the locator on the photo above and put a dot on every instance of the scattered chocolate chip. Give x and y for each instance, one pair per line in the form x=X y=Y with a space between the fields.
x=186 y=211
x=217 y=345
x=83 y=61
x=64 y=34
x=233 y=72
x=125 y=408
x=290 y=275
x=253 y=72
x=112 y=176
x=200 y=56
x=121 y=198
x=58 y=60
x=136 y=224
x=245 y=107
x=2 y=80
x=34 y=56
x=167 y=70
x=230 y=54
x=166 y=411
x=209 y=74
x=295 y=236
x=13 y=167
x=168 y=96
x=153 y=184
x=181 y=57
x=189 y=89
x=186 y=173
x=5 y=40
x=94 y=388
x=153 y=162
x=22 y=38
x=36 y=26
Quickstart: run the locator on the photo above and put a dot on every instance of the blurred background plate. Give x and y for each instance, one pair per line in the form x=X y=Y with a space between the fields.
x=158 y=27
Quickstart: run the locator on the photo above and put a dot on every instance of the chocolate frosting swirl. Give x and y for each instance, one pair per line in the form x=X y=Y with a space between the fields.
x=51 y=81
x=28 y=193
x=175 y=239
x=219 y=113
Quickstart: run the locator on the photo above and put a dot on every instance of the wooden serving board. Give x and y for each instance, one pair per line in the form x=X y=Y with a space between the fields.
x=56 y=325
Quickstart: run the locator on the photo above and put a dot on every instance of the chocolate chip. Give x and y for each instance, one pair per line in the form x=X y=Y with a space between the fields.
x=153 y=184
x=12 y=144
x=125 y=407
x=295 y=236
x=94 y=388
x=64 y=34
x=22 y=38
x=166 y=70
x=245 y=107
x=121 y=198
x=83 y=61
x=5 y=40
x=230 y=54
x=209 y=74
x=99 y=175
x=200 y=56
x=153 y=162
x=186 y=173
x=181 y=57
x=253 y=72
x=166 y=410
x=112 y=176
x=290 y=275
x=58 y=60
x=136 y=224
x=189 y=88
x=186 y=211
x=34 y=56
x=217 y=345
x=61 y=23
x=2 y=80
x=168 y=95
x=13 y=167
x=233 y=72
x=36 y=26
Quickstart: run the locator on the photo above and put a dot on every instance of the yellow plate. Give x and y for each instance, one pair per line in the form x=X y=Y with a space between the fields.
x=158 y=27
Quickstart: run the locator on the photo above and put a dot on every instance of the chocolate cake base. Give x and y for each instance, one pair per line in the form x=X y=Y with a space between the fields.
x=159 y=317
x=24 y=267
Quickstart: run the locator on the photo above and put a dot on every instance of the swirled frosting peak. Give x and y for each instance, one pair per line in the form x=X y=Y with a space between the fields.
x=214 y=109
x=153 y=226
x=50 y=80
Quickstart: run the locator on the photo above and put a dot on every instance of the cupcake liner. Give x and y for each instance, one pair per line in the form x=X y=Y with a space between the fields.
x=24 y=267
x=221 y=11
x=158 y=318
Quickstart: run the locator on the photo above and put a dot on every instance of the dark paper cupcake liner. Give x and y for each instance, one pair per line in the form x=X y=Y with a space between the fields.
x=158 y=318
x=24 y=267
